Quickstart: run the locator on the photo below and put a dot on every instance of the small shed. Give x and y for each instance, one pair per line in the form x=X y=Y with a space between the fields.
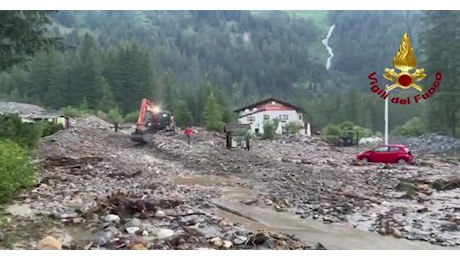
x=235 y=134
x=51 y=116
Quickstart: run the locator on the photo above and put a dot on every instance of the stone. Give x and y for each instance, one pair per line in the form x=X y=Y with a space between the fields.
x=49 y=243
x=112 y=218
x=240 y=240
x=134 y=222
x=132 y=230
x=396 y=233
x=160 y=213
x=164 y=233
x=227 y=244
x=138 y=247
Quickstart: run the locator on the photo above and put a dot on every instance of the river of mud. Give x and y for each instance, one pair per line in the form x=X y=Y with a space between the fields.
x=353 y=236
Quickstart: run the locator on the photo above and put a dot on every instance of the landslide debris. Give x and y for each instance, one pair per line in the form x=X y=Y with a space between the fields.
x=314 y=180
x=103 y=192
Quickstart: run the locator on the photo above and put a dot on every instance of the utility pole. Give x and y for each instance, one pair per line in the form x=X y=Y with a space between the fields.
x=386 y=117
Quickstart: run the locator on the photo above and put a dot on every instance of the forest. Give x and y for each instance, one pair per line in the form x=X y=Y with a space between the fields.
x=109 y=60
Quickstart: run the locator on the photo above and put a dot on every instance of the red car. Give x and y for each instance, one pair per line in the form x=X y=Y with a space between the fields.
x=392 y=153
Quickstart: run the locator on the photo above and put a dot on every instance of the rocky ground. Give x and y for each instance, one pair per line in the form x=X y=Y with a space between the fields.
x=97 y=190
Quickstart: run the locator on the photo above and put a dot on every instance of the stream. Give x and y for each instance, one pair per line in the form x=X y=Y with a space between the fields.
x=329 y=49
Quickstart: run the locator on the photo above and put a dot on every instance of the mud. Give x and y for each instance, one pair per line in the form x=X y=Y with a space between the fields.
x=319 y=182
x=299 y=186
x=336 y=236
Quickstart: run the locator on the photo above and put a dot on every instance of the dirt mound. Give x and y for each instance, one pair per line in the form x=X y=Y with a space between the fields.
x=19 y=108
x=86 y=137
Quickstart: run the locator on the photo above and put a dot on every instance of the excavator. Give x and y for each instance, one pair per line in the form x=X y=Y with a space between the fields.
x=152 y=120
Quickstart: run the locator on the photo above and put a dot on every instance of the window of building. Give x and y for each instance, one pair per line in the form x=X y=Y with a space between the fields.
x=300 y=116
x=266 y=117
x=284 y=117
x=251 y=119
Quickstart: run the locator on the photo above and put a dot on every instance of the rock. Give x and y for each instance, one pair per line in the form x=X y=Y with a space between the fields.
x=138 y=247
x=164 y=233
x=227 y=244
x=240 y=240
x=217 y=241
x=396 y=233
x=160 y=213
x=49 y=243
x=112 y=218
x=132 y=230
x=134 y=222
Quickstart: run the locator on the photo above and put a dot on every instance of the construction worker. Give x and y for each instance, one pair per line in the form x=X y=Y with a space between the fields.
x=188 y=134
x=247 y=138
x=115 y=126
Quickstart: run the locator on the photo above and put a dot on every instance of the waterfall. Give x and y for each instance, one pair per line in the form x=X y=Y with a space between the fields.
x=329 y=49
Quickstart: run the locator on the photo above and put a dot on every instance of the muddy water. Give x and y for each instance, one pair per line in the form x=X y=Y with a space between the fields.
x=332 y=236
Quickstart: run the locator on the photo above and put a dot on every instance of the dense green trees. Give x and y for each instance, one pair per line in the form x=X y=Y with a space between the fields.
x=440 y=45
x=177 y=58
x=23 y=34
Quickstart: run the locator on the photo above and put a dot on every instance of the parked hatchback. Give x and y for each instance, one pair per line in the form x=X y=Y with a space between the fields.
x=392 y=153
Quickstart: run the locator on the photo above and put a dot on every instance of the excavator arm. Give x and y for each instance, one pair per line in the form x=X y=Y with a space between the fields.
x=146 y=105
x=139 y=134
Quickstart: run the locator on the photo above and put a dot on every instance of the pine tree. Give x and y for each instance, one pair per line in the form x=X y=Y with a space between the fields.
x=169 y=90
x=183 y=115
x=211 y=114
x=107 y=101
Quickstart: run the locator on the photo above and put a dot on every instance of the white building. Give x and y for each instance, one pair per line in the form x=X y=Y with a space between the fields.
x=266 y=110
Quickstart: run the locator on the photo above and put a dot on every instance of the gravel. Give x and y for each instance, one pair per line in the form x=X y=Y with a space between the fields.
x=128 y=196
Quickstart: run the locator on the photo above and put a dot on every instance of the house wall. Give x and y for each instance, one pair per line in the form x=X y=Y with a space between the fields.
x=256 y=116
x=256 y=120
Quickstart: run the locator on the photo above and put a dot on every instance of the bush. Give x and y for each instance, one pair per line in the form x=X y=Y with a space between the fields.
x=49 y=128
x=332 y=130
x=25 y=134
x=362 y=132
x=16 y=172
x=270 y=129
x=411 y=128
x=71 y=112
x=114 y=116
x=293 y=127
x=131 y=117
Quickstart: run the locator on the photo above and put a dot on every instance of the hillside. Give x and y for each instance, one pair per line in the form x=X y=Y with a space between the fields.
x=319 y=16
x=243 y=56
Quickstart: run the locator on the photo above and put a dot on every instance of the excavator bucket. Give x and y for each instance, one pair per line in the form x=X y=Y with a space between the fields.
x=138 y=138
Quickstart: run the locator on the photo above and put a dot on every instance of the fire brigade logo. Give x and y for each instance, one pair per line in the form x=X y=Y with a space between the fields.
x=405 y=61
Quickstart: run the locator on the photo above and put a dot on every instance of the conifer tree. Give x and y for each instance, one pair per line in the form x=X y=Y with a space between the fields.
x=183 y=115
x=211 y=114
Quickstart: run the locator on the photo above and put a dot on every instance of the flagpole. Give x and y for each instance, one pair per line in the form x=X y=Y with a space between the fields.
x=386 y=117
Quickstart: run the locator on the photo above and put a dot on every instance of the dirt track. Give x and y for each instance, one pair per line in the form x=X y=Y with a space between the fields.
x=299 y=176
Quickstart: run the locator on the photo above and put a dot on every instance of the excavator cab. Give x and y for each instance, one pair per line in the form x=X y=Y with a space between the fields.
x=152 y=120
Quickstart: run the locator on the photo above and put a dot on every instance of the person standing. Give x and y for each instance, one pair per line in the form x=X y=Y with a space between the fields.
x=247 y=138
x=188 y=134
x=115 y=126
